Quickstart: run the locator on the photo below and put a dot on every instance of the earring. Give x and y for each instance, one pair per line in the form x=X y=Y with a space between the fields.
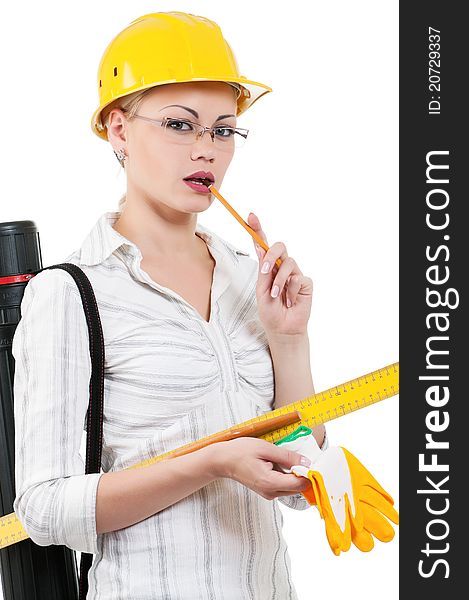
x=120 y=154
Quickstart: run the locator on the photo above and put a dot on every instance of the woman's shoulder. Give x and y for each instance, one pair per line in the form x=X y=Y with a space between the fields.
x=53 y=282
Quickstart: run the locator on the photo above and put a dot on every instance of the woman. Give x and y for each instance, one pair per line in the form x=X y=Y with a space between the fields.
x=195 y=331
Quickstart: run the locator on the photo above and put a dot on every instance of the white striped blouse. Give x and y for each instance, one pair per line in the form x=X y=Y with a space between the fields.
x=170 y=378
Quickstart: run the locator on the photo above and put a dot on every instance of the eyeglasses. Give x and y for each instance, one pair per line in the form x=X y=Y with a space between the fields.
x=183 y=131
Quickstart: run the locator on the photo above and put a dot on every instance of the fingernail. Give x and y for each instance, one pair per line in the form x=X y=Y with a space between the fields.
x=305 y=461
x=265 y=267
x=275 y=291
x=288 y=303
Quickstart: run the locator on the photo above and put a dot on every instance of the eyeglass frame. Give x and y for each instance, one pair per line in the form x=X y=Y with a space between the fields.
x=201 y=128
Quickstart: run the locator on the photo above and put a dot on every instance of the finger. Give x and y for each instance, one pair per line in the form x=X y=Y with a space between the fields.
x=375 y=523
x=280 y=481
x=287 y=269
x=339 y=540
x=255 y=224
x=363 y=539
x=364 y=475
x=375 y=499
x=283 y=456
x=356 y=515
x=292 y=287
x=267 y=267
x=260 y=253
x=286 y=493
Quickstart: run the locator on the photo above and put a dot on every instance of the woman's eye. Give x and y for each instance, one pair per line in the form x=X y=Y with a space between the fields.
x=225 y=131
x=178 y=125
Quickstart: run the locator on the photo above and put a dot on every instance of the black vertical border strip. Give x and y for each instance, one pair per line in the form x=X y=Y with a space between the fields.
x=441 y=560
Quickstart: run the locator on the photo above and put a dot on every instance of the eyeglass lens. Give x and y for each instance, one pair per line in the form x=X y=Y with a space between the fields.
x=185 y=132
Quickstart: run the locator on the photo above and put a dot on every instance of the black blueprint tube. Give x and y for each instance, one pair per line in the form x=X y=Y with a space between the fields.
x=28 y=571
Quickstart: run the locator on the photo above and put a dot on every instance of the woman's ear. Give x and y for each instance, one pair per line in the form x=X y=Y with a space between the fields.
x=116 y=129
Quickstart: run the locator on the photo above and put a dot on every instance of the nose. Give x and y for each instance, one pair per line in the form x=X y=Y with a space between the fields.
x=203 y=145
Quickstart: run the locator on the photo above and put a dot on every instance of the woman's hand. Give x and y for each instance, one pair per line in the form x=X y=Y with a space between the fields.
x=254 y=463
x=276 y=314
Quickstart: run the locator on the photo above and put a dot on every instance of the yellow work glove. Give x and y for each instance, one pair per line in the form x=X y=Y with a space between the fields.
x=349 y=499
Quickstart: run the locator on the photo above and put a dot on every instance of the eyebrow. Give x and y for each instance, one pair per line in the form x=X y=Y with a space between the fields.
x=195 y=113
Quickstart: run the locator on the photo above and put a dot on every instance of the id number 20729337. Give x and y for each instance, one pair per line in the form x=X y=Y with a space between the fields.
x=434 y=104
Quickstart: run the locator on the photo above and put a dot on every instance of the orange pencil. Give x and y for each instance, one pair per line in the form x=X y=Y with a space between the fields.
x=249 y=229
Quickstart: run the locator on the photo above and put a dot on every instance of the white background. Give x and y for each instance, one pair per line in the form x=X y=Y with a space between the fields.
x=320 y=170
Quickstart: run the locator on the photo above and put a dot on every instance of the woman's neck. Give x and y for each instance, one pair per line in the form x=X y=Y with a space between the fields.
x=159 y=235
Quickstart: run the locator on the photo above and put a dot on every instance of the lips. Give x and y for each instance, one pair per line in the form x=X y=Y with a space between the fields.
x=198 y=187
x=205 y=177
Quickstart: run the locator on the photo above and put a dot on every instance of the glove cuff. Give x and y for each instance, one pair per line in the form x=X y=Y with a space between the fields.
x=302 y=441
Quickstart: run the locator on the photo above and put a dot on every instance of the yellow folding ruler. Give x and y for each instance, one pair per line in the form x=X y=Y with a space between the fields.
x=311 y=411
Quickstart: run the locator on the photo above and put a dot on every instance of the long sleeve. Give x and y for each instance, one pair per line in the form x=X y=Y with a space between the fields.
x=55 y=500
x=298 y=501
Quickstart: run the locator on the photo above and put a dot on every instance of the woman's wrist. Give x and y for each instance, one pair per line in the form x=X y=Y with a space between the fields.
x=296 y=340
x=215 y=460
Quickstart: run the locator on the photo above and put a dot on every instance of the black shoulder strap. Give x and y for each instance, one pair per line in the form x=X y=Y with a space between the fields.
x=94 y=421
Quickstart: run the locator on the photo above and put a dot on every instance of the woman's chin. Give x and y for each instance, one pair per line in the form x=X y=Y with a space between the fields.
x=200 y=201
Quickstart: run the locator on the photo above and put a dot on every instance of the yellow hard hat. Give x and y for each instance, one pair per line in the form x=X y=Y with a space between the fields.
x=169 y=47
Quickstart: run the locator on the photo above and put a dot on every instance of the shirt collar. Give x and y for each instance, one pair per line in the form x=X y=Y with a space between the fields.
x=103 y=240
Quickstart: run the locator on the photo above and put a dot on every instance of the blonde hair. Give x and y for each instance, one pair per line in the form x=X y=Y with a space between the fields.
x=130 y=105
